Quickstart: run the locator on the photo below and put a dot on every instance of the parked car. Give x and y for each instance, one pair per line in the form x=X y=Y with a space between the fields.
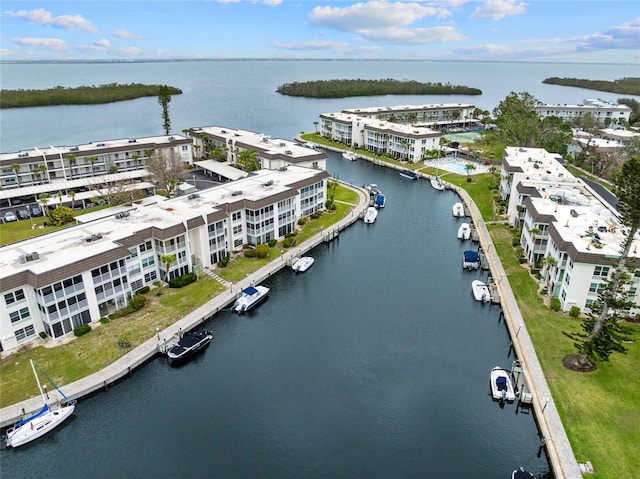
x=35 y=211
x=23 y=214
x=10 y=216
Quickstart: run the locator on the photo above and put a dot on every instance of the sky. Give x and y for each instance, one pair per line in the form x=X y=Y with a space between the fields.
x=592 y=31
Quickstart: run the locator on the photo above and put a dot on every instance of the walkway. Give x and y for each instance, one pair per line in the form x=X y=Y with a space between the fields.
x=146 y=351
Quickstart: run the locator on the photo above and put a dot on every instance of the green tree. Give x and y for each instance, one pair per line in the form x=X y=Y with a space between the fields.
x=164 y=98
x=602 y=331
x=16 y=169
x=92 y=159
x=165 y=168
x=61 y=215
x=166 y=260
x=71 y=159
x=72 y=195
x=44 y=201
x=248 y=160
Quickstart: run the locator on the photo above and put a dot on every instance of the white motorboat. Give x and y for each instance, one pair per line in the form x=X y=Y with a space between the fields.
x=350 y=155
x=250 y=298
x=436 y=184
x=458 y=210
x=480 y=291
x=188 y=345
x=373 y=189
x=409 y=174
x=379 y=200
x=40 y=423
x=464 y=232
x=470 y=260
x=502 y=388
x=302 y=264
x=371 y=215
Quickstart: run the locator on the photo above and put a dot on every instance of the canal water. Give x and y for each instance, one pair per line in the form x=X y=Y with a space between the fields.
x=374 y=363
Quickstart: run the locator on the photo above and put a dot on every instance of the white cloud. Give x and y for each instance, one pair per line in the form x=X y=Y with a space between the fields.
x=325 y=45
x=625 y=36
x=372 y=15
x=497 y=9
x=5 y=52
x=122 y=33
x=53 y=44
x=413 y=35
x=510 y=52
x=41 y=16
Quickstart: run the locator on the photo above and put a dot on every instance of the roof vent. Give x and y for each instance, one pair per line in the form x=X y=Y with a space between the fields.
x=269 y=183
x=288 y=152
x=193 y=196
x=573 y=213
x=282 y=168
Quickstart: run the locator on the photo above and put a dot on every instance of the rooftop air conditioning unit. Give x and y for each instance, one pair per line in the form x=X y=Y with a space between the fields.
x=35 y=255
x=236 y=193
x=283 y=144
x=73 y=148
x=269 y=183
x=288 y=152
x=573 y=213
x=193 y=196
x=282 y=168
x=22 y=259
x=171 y=138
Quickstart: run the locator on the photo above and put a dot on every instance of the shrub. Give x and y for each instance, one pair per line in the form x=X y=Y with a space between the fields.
x=183 y=280
x=224 y=262
x=81 y=330
x=104 y=320
x=515 y=241
x=522 y=259
x=137 y=302
x=292 y=234
x=303 y=221
x=262 y=250
x=555 y=304
x=272 y=243
x=329 y=205
x=288 y=242
x=574 y=312
x=316 y=215
x=143 y=290
x=123 y=342
x=42 y=334
x=249 y=253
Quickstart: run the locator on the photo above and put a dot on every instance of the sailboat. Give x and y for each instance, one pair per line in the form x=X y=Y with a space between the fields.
x=40 y=423
x=436 y=183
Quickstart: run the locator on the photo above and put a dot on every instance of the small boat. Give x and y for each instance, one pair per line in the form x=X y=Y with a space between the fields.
x=371 y=215
x=379 y=200
x=522 y=474
x=372 y=189
x=502 y=388
x=409 y=174
x=40 y=423
x=480 y=291
x=350 y=155
x=188 y=345
x=458 y=210
x=437 y=184
x=470 y=260
x=250 y=298
x=302 y=264
x=464 y=232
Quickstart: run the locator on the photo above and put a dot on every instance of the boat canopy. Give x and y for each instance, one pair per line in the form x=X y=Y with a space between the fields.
x=250 y=290
x=471 y=256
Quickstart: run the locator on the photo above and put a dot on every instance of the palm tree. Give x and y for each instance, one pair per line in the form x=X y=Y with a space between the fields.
x=16 y=168
x=60 y=195
x=167 y=259
x=71 y=158
x=315 y=123
x=44 y=201
x=72 y=194
x=136 y=159
x=549 y=262
x=43 y=170
x=248 y=160
x=469 y=167
x=92 y=159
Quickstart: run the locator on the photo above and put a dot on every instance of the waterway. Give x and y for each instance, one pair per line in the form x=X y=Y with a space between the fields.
x=374 y=363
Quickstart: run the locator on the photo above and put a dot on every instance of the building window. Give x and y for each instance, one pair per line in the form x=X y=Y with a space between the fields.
x=601 y=271
x=24 y=333
x=146 y=246
x=146 y=262
x=14 y=296
x=595 y=287
x=19 y=315
x=152 y=276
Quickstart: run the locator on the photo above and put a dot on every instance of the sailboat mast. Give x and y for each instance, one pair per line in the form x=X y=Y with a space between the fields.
x=37 y=380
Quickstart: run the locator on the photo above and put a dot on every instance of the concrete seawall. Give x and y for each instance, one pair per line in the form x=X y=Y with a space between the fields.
x=124 y=366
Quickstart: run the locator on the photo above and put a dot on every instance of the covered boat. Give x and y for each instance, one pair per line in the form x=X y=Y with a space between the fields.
x=379 y=201
x=188 y=345
x=302 y=264
x=480 y=291
x=349 y=155
x=371 y=215
x=501 y=383
x=458 y=210
x=373 y=189
x=249 y=298
x=522 y=474
x=470 y=260
x=464 y=232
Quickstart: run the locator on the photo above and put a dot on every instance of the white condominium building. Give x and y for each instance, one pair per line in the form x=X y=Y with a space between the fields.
x=604 y=111
x=58 y=281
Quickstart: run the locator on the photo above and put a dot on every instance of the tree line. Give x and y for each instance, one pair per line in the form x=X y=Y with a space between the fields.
x=348 y=88
x=624 y=86
x=82 y=95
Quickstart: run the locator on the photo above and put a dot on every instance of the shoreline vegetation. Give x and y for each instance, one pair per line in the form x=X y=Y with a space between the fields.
x=82 y=95
x=349 y=88
x=624 y=86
